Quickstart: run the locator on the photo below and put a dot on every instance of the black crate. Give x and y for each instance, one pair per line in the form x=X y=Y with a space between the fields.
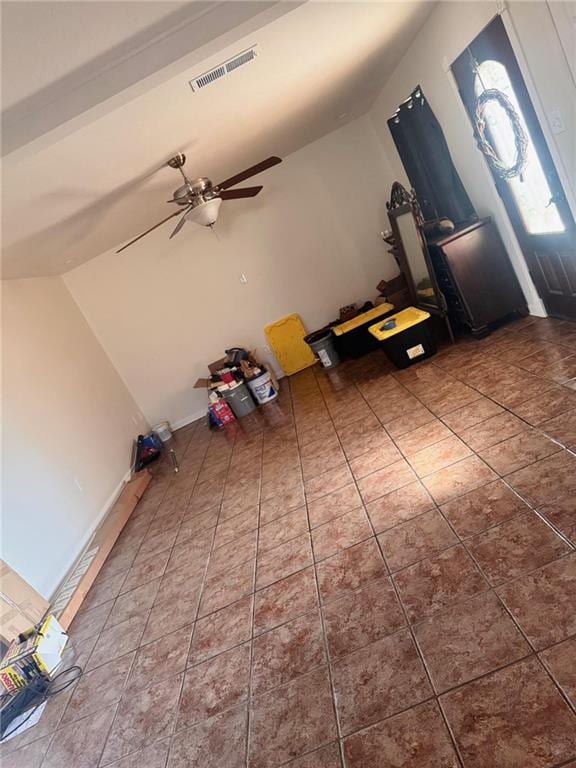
x=397 y=347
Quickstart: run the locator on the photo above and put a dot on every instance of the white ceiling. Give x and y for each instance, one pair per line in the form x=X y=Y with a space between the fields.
x=96 y=178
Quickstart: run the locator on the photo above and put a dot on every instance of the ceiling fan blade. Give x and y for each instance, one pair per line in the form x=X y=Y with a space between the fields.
x=252 y=171
x=180 y=224
x=176 y=213
x=232 y=194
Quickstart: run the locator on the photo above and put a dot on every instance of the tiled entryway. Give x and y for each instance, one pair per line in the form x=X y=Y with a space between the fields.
x=378 y=568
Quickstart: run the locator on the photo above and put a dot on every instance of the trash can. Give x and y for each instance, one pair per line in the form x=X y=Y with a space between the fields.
x=238 y=398
x=323 y=346
x=405 y=337
x=353 y=338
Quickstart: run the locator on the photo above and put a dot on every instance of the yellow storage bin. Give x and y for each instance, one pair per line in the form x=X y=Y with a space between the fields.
x=286 y=337
x=409 y=341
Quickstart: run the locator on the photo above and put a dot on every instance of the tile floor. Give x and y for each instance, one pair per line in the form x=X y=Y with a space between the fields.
x=377 y=570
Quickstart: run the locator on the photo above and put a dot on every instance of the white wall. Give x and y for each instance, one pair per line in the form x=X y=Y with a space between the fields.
x=447 y=31
x=309 y=243
x=68 y=425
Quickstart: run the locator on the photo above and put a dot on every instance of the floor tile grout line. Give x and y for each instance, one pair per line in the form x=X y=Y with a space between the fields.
x=410 y=630
x=252 y=620
x=325 y=637
x=105 y=742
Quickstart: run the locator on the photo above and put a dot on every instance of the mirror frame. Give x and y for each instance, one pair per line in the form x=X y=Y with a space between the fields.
x=393 y=215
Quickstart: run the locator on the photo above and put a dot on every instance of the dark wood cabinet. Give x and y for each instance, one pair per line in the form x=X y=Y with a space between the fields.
x=476 y=277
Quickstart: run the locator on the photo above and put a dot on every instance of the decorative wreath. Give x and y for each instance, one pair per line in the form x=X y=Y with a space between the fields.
x=520 y=138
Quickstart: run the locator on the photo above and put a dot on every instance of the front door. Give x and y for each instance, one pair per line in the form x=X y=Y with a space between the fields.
x=534 y=197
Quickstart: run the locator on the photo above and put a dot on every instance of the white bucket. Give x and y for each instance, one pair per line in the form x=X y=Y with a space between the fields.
x=163 y=431
x=262 y=388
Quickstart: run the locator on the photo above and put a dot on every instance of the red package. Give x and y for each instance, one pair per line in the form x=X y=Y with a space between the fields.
x=222 y=412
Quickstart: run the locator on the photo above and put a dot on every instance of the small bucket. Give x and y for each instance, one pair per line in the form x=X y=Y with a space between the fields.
x=322 y=344
x=262 y=388
x=163 y=431
x=239 y=399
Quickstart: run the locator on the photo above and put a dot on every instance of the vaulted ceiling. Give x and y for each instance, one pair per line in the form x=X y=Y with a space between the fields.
x=97 y=98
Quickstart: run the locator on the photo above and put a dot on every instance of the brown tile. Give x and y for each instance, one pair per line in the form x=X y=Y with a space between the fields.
x=79 y=745
x=468 y=640
x=214 y=685
x=458 y=479
x=492 y=431
x=482 y=508
x=386 y=480
x=160 y=659
x=364 y=442
x=410 y=421
x=378 y=681
x=219 y=631
x=283 y=529
x=470 y=415
x=285 y=600
x=434 y=583
x=546 y=480
x=398 y=506
x=325 y=757
x=141 y=720
x=560 y=662
x=276 y=506
x=176 y=604
x=153 y=756
x=232 y=554
x=543 y=602
x=513 y=717
x=134 y=603
x=99 y=688
x=341 y=533
x=562 y=514
x=291 y=720
x=225 y=588
x=219 y=742
x=234 y=527
x=416 y=738
x=146 y=570
x=322 y=462
x=375 y=459
x=416 y=539
x=193 y=554
x=157 y=543
x=546 y=406
x=362 y=617
x=333 y=505
x=286 y=652
x=562 y=428
x=349 y=570
x=518 y=451
x=194 y=525
x=287 y=558
x=517 y=546
x=327 y=483
x=30 y=756
x=117 y=641
x=104 y=591
x=423 y=437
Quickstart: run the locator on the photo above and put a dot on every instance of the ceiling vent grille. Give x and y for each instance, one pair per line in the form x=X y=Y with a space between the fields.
x=207 y=78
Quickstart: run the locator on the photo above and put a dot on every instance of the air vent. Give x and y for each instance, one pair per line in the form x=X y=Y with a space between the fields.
x=207 y=78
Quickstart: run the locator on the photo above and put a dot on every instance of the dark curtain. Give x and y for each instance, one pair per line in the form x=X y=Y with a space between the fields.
x=426 y=158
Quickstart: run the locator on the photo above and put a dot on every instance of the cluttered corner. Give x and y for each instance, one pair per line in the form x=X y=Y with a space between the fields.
x=238 y=383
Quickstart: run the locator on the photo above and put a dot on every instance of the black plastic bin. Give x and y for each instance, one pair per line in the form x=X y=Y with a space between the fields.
x=409 y=340
x=353 y=338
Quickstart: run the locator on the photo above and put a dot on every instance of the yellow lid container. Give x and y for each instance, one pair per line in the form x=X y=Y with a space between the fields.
x=405 y=319
x=362 y=318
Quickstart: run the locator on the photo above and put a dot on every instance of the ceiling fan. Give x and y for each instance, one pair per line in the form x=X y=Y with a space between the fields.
x=201 y=199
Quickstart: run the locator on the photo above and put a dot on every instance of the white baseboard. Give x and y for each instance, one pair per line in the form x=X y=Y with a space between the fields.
x=189 y=419
x=103 y=511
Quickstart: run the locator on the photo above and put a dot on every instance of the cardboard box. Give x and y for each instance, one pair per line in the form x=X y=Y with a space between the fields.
x=20 y=605
x=218 y=364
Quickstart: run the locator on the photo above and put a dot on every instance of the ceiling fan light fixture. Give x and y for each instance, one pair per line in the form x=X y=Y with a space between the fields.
x=206 y=213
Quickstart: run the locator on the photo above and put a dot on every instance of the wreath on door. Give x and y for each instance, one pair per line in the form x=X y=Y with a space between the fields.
x=520 y=138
